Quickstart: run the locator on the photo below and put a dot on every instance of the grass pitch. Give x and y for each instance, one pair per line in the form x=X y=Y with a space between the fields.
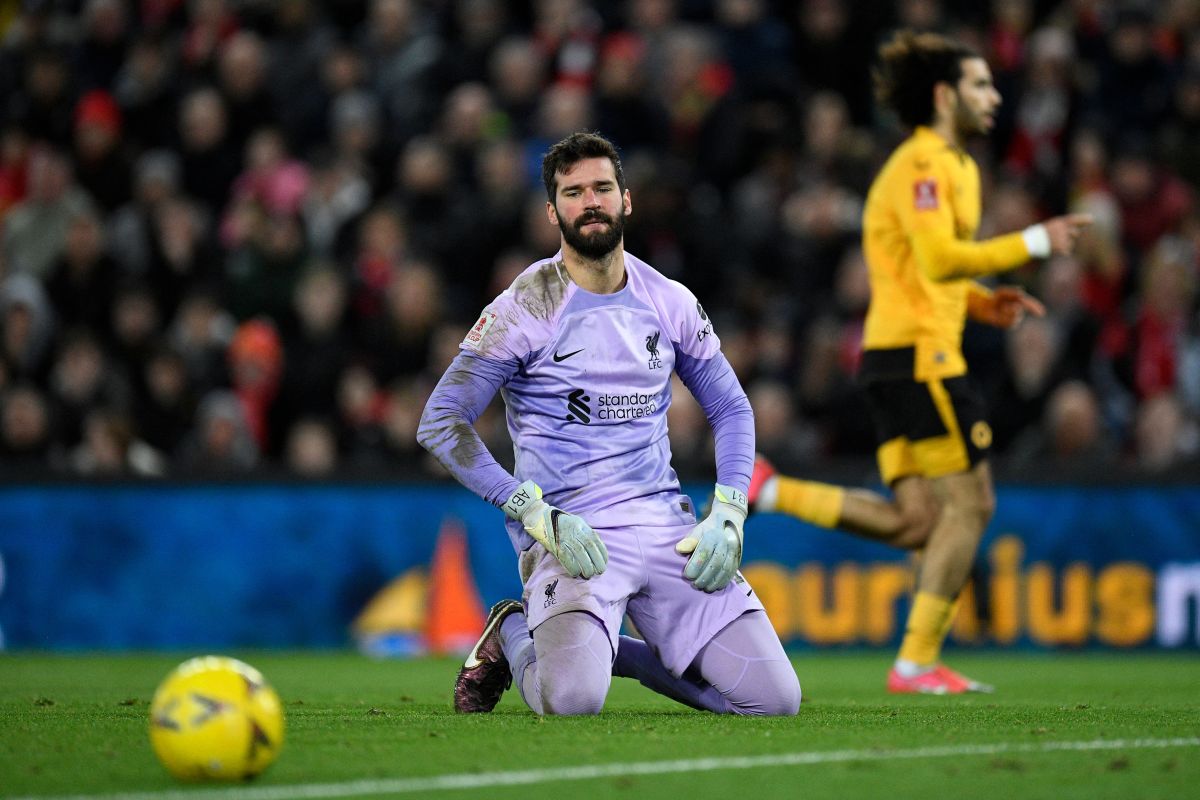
x=1062 y=726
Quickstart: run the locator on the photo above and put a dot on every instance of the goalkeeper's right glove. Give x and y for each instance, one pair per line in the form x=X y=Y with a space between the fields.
x=571 y=540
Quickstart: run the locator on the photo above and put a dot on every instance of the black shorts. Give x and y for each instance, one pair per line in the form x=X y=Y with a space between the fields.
x=931 y=428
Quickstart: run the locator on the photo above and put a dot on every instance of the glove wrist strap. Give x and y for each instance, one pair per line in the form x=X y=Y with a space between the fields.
x=733 y=497
x=524 y=498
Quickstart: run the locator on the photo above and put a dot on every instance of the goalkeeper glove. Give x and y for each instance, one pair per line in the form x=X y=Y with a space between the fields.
x=568 y=538
x=716 y=543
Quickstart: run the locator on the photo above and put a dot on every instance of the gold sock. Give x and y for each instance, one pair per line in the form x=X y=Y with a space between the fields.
x=949 y=623
x=928 y=622
x=818 y=503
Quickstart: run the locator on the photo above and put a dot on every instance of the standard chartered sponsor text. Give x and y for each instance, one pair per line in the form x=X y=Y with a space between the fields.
x=625 y=406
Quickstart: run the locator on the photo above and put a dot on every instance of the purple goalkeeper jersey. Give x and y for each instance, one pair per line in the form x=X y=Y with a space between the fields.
x=586 y=380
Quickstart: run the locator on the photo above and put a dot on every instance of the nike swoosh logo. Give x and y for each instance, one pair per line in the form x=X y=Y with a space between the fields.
x=565 y=356
x=473 y=657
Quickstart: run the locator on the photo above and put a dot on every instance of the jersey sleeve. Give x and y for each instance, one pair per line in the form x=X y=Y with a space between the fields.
x=447 y=425
x=503 y=331
x=691 y=329
x=926 y=208
x=716 y=388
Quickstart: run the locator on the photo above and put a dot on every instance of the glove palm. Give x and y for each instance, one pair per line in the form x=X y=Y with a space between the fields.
x=568 y=538
x=716 y=543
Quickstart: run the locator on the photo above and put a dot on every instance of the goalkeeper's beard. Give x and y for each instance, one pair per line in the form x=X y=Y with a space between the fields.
x=594 y=246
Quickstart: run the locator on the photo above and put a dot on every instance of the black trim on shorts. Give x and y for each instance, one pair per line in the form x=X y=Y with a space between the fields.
x=969 y=410
x=906 y=408
x=903 y=408
x=888 y=364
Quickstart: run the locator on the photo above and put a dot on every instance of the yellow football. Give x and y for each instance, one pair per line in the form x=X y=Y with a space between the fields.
x=215 y=719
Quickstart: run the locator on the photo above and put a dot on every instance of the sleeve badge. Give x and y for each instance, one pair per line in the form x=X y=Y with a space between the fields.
x=475 y=336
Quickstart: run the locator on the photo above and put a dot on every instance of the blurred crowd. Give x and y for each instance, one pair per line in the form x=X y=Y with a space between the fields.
x=239 y=235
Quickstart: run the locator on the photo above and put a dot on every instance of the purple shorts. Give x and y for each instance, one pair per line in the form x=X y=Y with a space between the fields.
x=645 y=579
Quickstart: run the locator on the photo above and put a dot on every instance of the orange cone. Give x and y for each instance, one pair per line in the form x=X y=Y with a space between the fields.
x=455 y=613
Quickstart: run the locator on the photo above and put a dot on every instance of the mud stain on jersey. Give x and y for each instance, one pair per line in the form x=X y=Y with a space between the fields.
x=541 y=292
x=454 y=442
x=468 y=447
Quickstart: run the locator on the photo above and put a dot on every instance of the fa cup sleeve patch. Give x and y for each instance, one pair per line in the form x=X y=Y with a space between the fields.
x=925 y=195
x=475 y=336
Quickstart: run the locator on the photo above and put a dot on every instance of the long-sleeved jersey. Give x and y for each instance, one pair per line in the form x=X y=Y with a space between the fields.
x=586 y=382
x=919 y=226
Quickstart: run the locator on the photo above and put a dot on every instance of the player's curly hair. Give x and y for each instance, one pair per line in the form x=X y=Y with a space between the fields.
x=910 y=65
x=576 y=148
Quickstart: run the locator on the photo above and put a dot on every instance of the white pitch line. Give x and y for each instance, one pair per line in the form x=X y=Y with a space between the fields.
x=484 y=780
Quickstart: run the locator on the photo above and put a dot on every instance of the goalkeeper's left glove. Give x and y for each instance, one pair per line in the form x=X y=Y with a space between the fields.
x=716 y=543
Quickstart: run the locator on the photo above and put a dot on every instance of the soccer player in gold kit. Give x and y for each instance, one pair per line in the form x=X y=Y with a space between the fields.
x=919 y=225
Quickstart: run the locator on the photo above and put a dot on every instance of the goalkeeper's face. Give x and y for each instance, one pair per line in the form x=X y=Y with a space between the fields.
x=590 y=208
x=977 y=99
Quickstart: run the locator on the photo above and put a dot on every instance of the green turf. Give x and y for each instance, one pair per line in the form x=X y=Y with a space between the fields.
x=77 y=724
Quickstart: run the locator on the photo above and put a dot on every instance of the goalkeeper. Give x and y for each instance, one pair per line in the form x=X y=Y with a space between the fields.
x=582 y=347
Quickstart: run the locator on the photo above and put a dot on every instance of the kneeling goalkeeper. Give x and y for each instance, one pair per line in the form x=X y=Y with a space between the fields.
x=582 y=347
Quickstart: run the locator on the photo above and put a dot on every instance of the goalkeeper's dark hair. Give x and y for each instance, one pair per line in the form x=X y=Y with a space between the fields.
x=572 y=150
x=910 y=65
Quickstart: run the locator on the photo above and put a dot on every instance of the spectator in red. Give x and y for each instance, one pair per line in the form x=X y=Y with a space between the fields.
x=255 y=367
x=1044 y=109
x=101 y=165
x=14 y=165
x=1153 y=201
x=1168 y=292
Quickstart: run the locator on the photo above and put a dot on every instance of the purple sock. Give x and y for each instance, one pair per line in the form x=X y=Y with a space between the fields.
x=635 y=659
x=517 y=644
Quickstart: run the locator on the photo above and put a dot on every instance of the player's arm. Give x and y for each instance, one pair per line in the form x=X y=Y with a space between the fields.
x=925 y=204
x=945 y=257
x=1004 y=307
x=716 y=388
x=927 y=214
x=447 y=430
x=715 y=544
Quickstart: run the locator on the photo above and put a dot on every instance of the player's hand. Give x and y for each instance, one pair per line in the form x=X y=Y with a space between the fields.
x=1006 y=306
x=568 y=538
x=1064 y=230
x=716 y=543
